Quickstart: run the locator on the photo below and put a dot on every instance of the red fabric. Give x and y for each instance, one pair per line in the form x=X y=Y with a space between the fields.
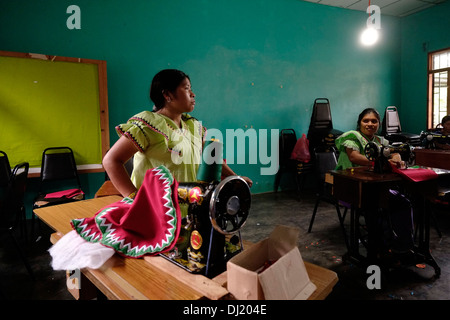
x=149 y=224
x=415 y=174
x=70 y=193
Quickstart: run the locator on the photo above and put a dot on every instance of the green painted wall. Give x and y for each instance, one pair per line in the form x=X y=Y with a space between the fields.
x=253 y=64
x=422 y=33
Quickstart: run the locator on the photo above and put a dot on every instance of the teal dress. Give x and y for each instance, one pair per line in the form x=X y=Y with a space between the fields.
x=357 y=141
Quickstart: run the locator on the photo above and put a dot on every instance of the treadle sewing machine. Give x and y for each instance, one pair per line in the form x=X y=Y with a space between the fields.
x=213 y=214
x=429 y=138
x=381 y=154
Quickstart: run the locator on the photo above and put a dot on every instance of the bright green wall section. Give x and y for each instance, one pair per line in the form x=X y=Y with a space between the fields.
x=422 y=33
x=253 y=64
x=49 y=104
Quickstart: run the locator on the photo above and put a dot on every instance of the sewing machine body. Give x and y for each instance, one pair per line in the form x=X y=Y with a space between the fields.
x=429 y=138
x=213 y=214
x=381 y=154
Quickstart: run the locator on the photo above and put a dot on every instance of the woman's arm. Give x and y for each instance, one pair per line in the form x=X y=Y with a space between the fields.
x=114 y=162
x=357 y=158
x=226 y=171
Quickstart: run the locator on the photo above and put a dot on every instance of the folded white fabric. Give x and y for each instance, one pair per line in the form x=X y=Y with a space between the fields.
x=73 y=252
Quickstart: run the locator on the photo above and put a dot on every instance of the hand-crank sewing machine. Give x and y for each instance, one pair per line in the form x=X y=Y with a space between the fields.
x=213 y=214
x=381 y=154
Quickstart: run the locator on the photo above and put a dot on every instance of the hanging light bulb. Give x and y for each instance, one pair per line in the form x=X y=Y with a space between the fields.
x=370 y=35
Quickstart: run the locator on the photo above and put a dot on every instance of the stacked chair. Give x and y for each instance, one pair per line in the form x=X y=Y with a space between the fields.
x=13 y=185
x=58 y=166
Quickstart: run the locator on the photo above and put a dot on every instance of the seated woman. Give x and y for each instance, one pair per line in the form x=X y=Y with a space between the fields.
x=444 y=143
x=351 y=144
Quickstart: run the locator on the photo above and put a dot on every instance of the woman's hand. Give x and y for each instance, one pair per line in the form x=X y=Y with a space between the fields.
x=226 y=171
x=396 y=159
x=248 y=180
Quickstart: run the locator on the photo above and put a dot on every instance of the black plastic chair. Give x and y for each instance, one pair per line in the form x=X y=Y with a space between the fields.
x=5 y=170
x=12 y=209
x=321 y=131
x=391 y=129
x=58 y=166
x=297 y=169
x=326 y=160
x=321 y=115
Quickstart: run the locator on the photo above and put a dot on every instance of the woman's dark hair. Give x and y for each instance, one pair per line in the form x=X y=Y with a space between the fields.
x=363 y=113
x=165 y=81
x=445 y=119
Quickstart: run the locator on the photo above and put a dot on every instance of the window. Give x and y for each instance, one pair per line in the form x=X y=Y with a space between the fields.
x=438 y=97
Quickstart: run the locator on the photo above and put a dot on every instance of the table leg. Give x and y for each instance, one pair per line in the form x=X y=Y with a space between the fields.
x=423 y=249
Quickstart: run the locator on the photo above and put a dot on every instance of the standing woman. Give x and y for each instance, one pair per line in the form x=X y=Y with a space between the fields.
x=167 y=136
x=351 y=144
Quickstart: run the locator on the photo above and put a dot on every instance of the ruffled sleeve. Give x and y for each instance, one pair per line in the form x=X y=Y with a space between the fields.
x=134 y=133
x=140 y=129
x=348 y=139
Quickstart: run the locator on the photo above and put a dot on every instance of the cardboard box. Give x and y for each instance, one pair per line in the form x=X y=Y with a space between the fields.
x=285 y=279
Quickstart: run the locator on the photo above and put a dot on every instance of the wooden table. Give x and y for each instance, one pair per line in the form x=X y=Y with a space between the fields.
x=153 y=277
x=367 y=192
x=433 y=158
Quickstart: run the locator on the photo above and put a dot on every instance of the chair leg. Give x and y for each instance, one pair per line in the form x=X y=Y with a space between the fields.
x=341 y=218
x=277 y=180
x=22 y=256
x=313 y=215
x=33 y=218
x=344 y=214
x=299 y=179
x=23 y=224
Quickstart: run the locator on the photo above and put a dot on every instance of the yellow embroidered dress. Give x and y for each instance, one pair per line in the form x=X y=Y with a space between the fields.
x=161 y=142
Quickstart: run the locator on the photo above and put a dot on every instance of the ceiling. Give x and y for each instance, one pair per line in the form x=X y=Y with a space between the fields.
x=398 y=8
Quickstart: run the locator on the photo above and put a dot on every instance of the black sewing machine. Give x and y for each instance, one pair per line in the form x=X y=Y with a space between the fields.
x=381 y=154
x=214 y=213
x=429 y=138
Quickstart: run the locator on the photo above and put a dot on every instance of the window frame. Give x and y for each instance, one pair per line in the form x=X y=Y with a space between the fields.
x=430 y=85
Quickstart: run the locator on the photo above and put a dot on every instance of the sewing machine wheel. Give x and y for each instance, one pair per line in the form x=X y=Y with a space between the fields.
x=230 y=205
x=371 y=151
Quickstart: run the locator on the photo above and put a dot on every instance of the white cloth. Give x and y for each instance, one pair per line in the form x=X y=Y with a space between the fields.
x=73 y=252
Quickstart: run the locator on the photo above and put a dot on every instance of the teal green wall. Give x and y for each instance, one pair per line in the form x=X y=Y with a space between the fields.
x=253 y=64
x=422 y=33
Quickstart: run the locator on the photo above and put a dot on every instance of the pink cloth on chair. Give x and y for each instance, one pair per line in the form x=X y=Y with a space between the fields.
x=70 y=193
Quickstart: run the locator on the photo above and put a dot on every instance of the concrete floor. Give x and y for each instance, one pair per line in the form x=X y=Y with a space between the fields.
x=324 y=246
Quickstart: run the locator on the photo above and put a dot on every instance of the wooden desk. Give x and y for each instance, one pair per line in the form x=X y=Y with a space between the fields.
x=361 y=188
x=367 y=192
x=433 y=158
x=153 y=277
